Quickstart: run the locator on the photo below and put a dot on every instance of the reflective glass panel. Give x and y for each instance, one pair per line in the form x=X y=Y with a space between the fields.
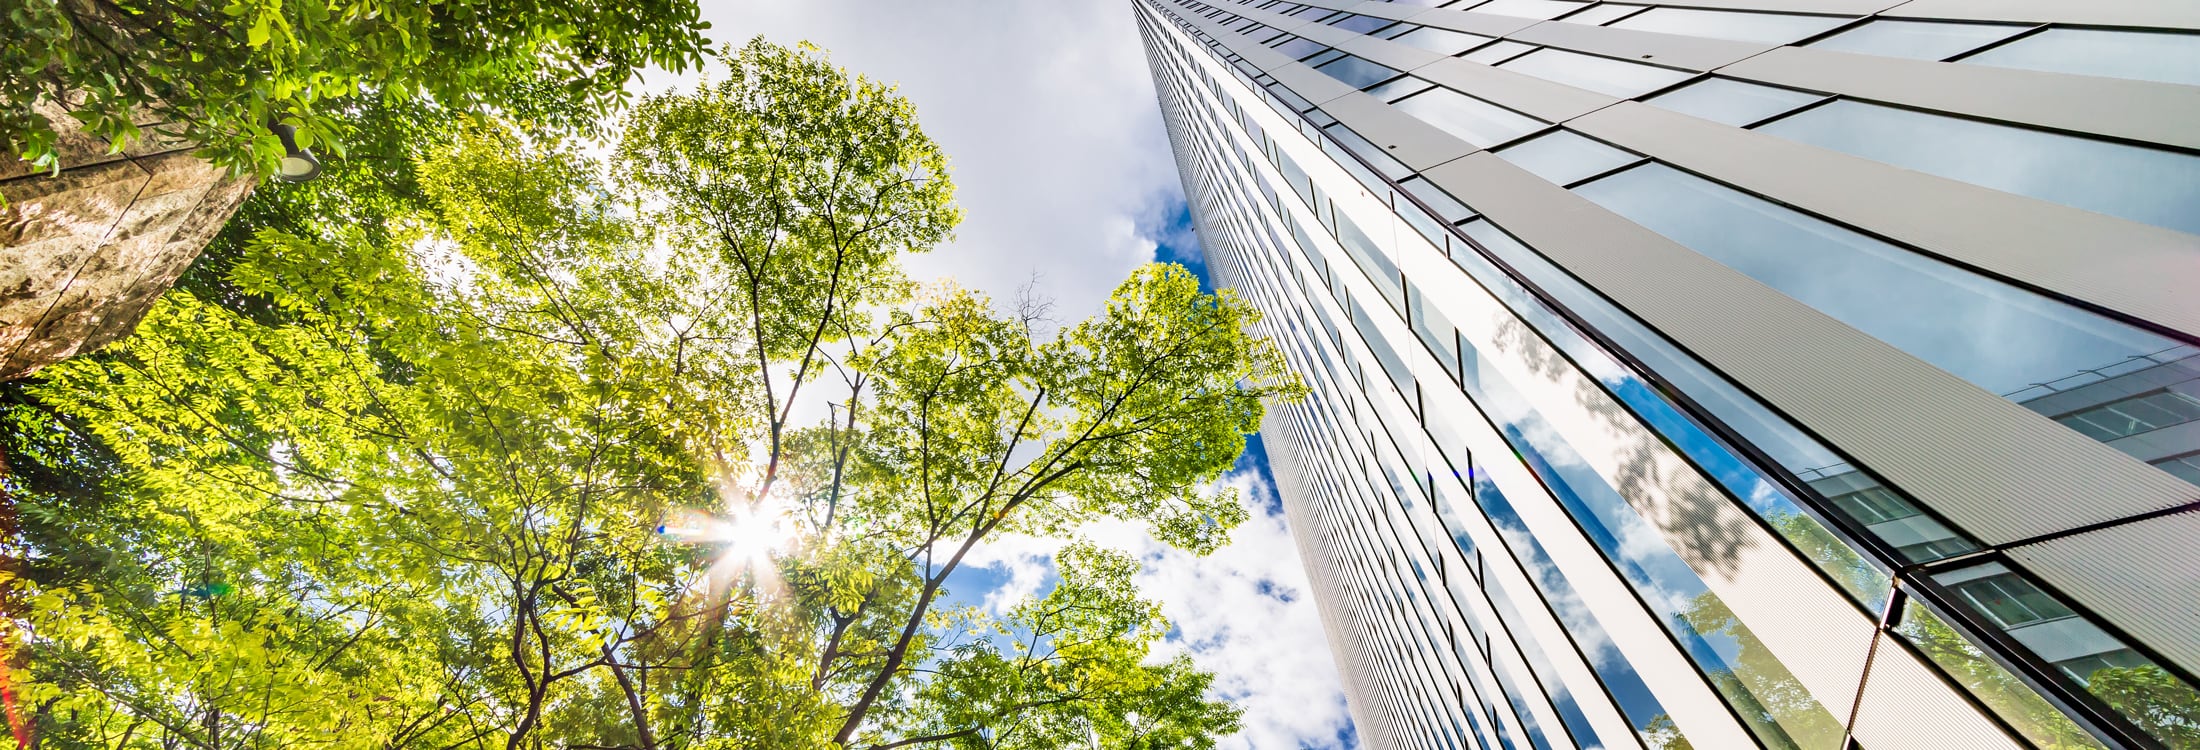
x=1919 y=40
x=2168 y=57
x=1602 y=13
x=1617 y=78
x=2004 y=694
x=2142 y=184
x=1441 y=41
x=1404 y=85
x=1323 y=58
x=2150 y=697
x=1864 y=581
x=2134 y=415
x=1449 y=208
x=1992 y=334
x=1472 y=120
x=1357 y=72
x=1298 y=48
x=1764 y=28
x=2185 y=467
x=1742 y=669
x=1528 y=8
x=1732 y=102
x=1498 y=52
x=1361 y=24
x=1564 y=157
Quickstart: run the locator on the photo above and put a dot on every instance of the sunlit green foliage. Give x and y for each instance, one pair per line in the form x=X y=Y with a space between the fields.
x=219 y=72
x=397 y=478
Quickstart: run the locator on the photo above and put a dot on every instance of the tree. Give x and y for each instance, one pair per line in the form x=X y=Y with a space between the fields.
x=522 y=463
x=217 y=74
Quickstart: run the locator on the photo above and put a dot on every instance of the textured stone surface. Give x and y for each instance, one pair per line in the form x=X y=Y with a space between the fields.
x=85 y=253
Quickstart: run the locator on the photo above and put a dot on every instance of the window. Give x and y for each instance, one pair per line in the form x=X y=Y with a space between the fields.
x=1402 y=86
x=1356 y=72
x=2001 y=692
x=1763 y=28
x=1298 y=48
x=1376 y=156
x=1615 y=77
x=2134 y=415
x=1497 y=52
x=1935 y=549
x=1872 y=505
x=2186 y=467
x=2142 y=184
x=1472 y=120
x=1435 y=331
x=1995 y=335
x=1564 y=157
x=2167 y=57
x=1732 y=102
x=1920 y=40
x=1446 y=207
x=1527 y=8
x=2083 y=667
x=1602 y=13
x=1360 y=24
x=1440 y=41
x=2010 y=600
x=1374 y=261
x=2159 y=709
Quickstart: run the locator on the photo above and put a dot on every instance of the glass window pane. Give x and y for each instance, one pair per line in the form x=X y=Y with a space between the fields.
x=1447 y=207
x=1435 y=331
x=2157 y=702
x=1441 y=41
x=2142 y=184
x=2134 y=415
x=1602 y=13
x=1378 y=157
x=1920 y=40
x=1732 y=102
x=1498 y=52
x=2169 y=57
x=1357 y=72
x=1992 y=334
x=1527 y=8
x=1564 y=157
x=1472 y=120
x=1361 y=24
x=2186 y=467
x=1298 y=48
x=1764 y=28
x=2004 y=694
x=1401 y=87
x=1614 y=77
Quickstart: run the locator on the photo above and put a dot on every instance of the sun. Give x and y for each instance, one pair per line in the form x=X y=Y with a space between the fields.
x=747 y=540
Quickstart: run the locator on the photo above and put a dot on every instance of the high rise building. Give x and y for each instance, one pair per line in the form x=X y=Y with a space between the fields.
x=1783 y=373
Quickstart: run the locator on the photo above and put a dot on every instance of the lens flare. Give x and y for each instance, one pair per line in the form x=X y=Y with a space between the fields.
x=747 y=539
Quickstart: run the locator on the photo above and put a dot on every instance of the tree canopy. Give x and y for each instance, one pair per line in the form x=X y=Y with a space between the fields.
x=658 y=449
x=216 y=74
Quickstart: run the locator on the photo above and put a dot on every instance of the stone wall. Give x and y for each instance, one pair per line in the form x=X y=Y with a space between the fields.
x=84 y=254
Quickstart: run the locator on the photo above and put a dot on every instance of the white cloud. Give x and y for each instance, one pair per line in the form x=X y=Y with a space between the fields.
x=1244 y=612
x=1047 y=115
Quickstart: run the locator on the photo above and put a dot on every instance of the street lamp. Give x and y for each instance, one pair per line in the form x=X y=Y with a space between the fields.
x=298 y=164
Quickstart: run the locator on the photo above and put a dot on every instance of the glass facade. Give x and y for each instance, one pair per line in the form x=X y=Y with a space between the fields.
x=1541 y=512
